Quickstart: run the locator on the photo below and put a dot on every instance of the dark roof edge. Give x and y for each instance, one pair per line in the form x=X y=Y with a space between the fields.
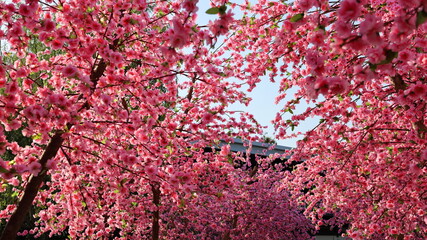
x=263 y=149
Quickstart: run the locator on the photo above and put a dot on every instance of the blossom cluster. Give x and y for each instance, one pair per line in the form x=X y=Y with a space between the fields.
x=116 y=101
x=357 y=67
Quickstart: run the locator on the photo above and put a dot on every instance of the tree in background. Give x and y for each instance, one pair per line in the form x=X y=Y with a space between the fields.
x=120 y=99
x=360 y=65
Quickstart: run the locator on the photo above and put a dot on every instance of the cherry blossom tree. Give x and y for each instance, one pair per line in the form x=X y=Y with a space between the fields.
x=119 y=100
x=360 y=67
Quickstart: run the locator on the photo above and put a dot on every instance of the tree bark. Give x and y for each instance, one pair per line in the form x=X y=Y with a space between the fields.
x=419 y=126
x=156 y=214
x=233 y=226
x=31 y=190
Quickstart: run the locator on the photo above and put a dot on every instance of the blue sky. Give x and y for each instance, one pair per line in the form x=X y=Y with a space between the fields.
x=263 y=105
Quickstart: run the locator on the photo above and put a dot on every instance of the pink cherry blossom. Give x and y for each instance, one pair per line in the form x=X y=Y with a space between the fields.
x=409 y=4
x=56 y=44
x=221 y=26
x=34 y=168
x=48 y=25
x=190 y=5
x=131 y=101
x=417 y=91
x=305 y=5
x=27 y=10
x=370 y=29
x=366 y=84
x=337 y=85
x=322 y=85
x=343 y=29
x=51 y=164
x=69 y=71
x=151 y=170
x=349 y=10
x=225 y=150
x=180 y=34
x=20 y=168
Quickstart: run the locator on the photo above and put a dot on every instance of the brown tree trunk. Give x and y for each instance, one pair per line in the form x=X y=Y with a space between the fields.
x=156 y=214
x=227 y=234
x=31 y=190
x=419 y=126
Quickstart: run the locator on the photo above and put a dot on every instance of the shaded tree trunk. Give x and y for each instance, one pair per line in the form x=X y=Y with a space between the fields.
x=31 y=190
x=156 y=214
x=227 y=234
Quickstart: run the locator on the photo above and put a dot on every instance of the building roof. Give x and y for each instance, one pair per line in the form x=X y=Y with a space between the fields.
x=262 y=149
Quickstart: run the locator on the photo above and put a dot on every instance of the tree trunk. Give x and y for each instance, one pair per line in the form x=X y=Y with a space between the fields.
x=31 y=190
x=227 y=234
x=156 y=214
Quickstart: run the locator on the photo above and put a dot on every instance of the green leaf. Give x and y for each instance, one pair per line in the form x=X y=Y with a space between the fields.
x=421 y=18
x=252 y=21
x=230 y=160
x=72 y=36
x=37 y=136
x=389 y=56
x=161 y=118
x=336 y=57
x=90 y=9
x=181 y=203
x=222 y=9
x=123 y=181
x=213 y=10
x=3 y=170
x=320 y=27
x=170 y=149
x=160 y=14
x=195 y=28
x=297 y=17
x=372 y=66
